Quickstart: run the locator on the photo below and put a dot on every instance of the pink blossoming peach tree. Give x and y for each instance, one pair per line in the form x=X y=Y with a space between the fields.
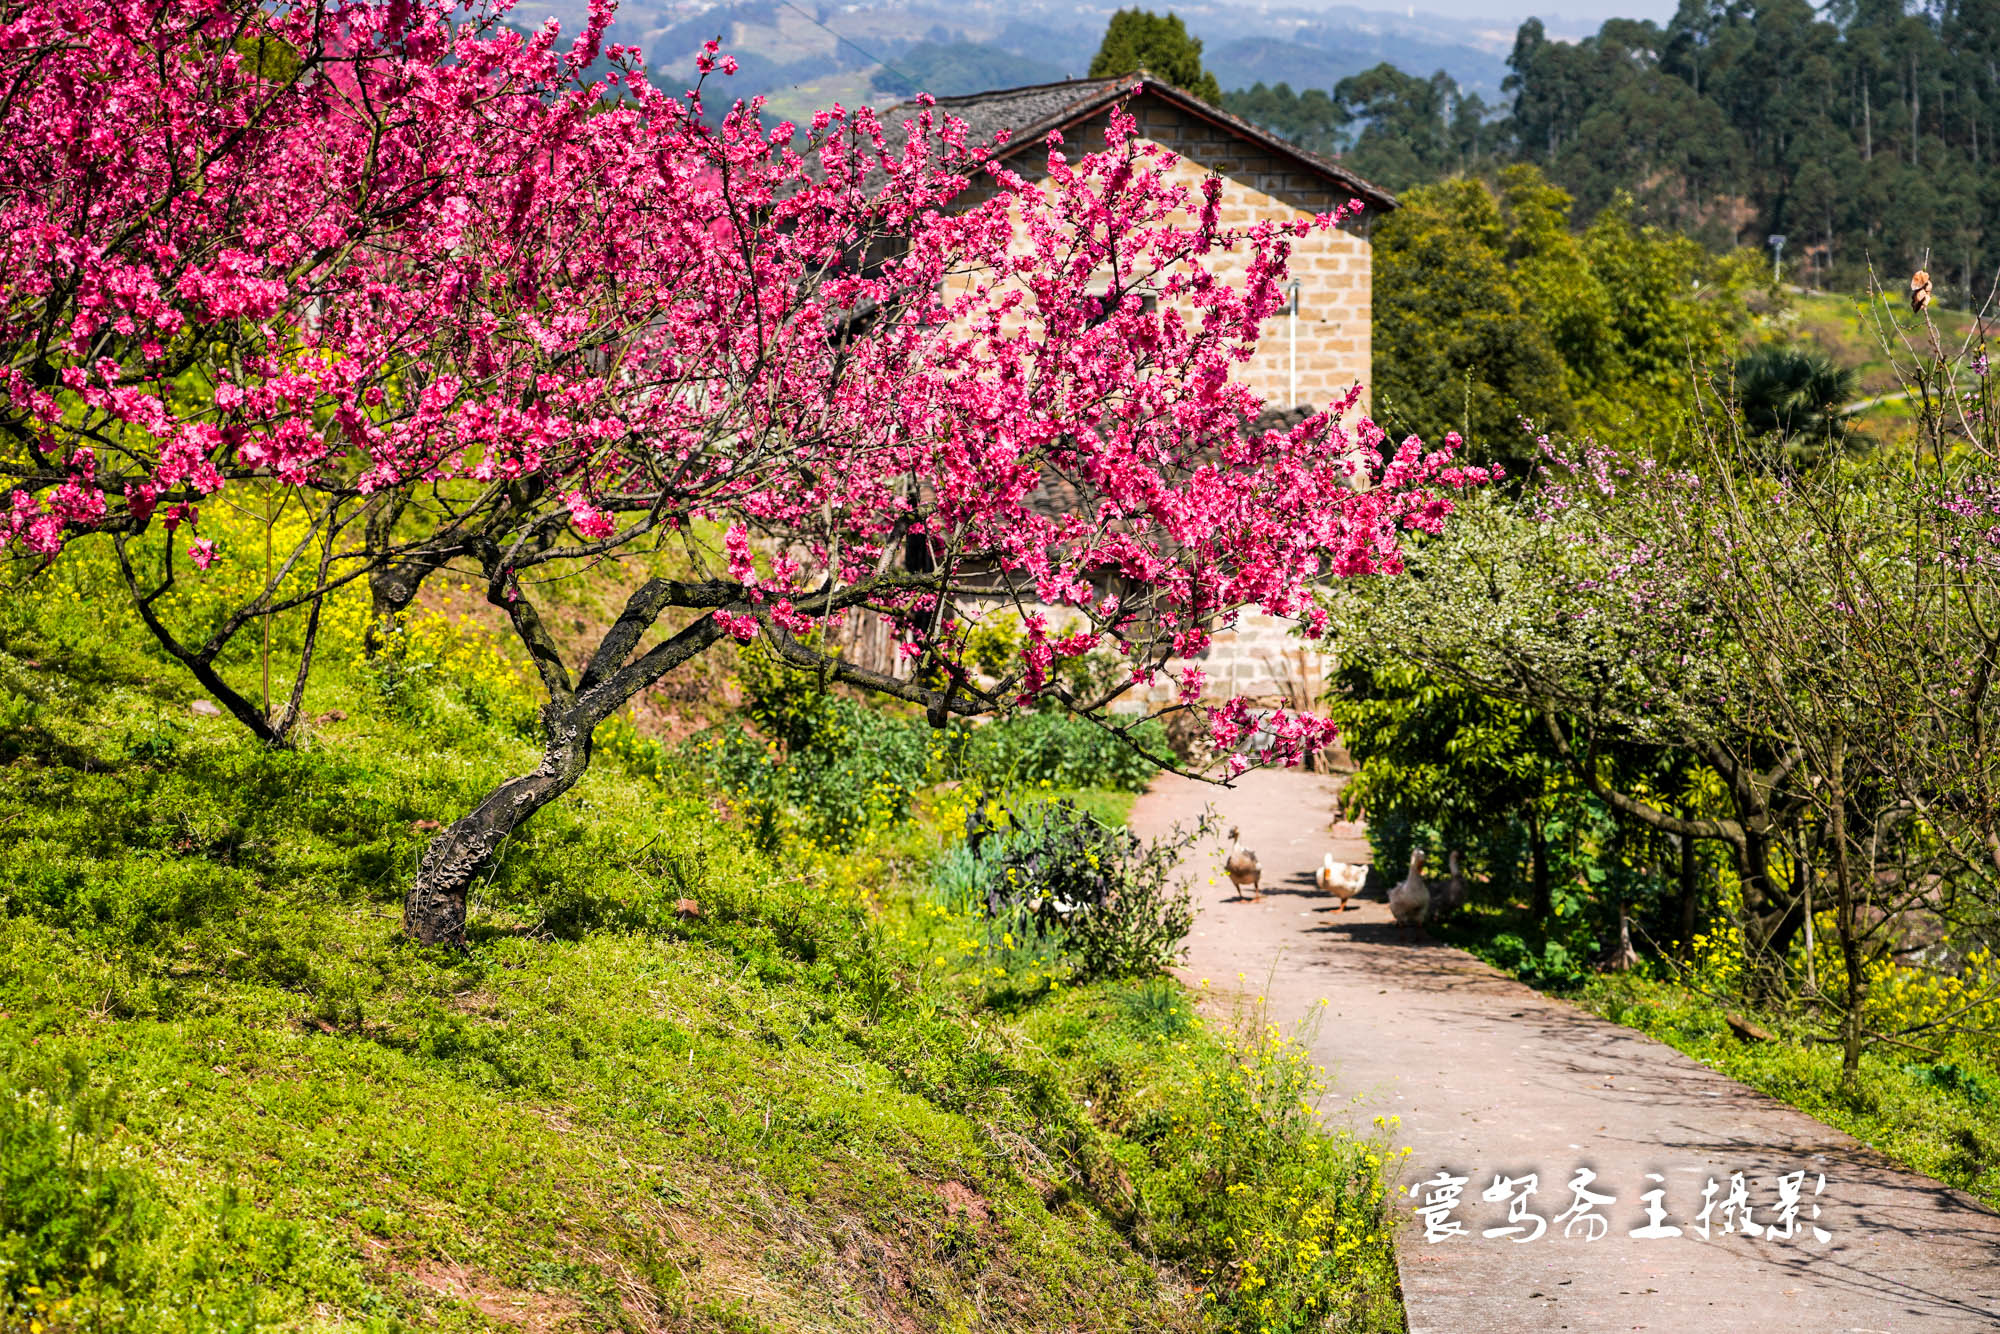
x=477 y=308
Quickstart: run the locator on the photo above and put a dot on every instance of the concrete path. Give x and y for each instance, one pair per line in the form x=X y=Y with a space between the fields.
x=1490 y=1078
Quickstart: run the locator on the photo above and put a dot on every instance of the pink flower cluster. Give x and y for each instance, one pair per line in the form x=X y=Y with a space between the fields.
x=382 y=245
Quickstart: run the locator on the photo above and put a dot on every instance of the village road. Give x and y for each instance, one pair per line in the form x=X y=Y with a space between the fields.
x=1492 y=1078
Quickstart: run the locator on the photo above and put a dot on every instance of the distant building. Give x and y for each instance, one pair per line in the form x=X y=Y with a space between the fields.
x=1308 y=359
x=1266 y=179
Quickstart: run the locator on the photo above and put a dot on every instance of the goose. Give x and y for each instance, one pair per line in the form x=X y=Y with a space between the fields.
x=1343 y=880
x=1450 y=895
x=1410 y=900
x=1241 y=866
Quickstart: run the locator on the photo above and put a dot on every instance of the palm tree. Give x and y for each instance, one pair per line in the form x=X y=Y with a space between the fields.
x=1795 y=397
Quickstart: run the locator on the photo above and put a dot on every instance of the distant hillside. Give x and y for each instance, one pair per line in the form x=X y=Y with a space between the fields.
x=803 y=55
x=1322 y=57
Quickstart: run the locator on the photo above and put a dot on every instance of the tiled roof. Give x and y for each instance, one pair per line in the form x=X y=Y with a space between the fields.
x=1028 y=114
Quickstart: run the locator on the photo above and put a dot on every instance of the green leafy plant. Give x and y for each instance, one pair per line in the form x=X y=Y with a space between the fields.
x=1058 y=751
x=1105 y=902
x=1549 y=964
x=69 y=1222
x=1951 y=1077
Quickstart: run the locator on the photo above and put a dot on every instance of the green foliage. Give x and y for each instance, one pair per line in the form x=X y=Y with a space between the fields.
x=1794 y=395
x=1455 y=348
x=1103 y=902
x=608 y=1108
x=1975 y=1086
x=1440 y=766
x=1861 y=133
x=1489 y=310
x=1311 y=119
x=70 y=1221
x=1224 y=1167
x=1138 y=39
x=1548 y=965
x=1243 y=1168
x=1060 y=751
x=1929 y=1116
x=818 y=762
x=1684 y=115
x=836 y=770
x=1412 y=129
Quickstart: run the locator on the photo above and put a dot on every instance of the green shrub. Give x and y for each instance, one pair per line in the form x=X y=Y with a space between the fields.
x=1549 y=965
x=818 y=764
x=1951 y=1077
x=1059 y=751
x=1101 y=900
x=68 y=1223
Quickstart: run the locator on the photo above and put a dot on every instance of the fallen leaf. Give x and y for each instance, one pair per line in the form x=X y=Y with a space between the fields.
x=206 y=708
x=687 y=908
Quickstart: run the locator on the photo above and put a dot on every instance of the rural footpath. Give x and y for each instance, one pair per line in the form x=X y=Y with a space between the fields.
x=1491 y=1078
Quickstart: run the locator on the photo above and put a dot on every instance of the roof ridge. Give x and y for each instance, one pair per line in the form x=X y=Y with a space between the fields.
x=1087 y=81
x=1027 y=113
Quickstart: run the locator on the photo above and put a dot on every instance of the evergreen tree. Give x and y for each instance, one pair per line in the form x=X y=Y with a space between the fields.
x=1864 y=132
x=1138 y=39
x=1453 y=348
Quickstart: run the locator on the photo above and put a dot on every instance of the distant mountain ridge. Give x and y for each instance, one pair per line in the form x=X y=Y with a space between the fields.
x=803 y=55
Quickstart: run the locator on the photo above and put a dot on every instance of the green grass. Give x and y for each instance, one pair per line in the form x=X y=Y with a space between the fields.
x=1947 y=1128
x=1932 y=1129
x=232 y=1096
x=1851 y=331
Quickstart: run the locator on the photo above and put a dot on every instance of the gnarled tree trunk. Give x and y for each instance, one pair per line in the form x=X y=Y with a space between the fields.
x=434 y=910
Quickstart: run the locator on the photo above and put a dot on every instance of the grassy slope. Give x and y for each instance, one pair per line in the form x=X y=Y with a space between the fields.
x=1851 y=331
x=1952 y=1134
x=793 y=1112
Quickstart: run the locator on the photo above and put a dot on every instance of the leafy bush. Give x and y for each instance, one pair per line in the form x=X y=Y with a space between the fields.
x=1059 y=751
x=854 y=773
x=827 y=766
x=67 y=1223
x=1549 y=965
x=1951 y=1077
x=1105 y=902
x=834 y=769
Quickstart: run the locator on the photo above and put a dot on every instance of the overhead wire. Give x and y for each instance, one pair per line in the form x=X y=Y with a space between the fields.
x=839 y=36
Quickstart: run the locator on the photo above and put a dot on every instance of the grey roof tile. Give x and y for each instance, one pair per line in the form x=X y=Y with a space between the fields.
x=1028 y=114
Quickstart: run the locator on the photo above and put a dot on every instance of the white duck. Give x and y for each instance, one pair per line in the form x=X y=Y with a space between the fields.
x=1409 y=901
x=1343 y=880
x=1242 y=867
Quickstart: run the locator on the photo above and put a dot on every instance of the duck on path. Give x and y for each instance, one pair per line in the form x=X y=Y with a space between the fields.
x=1409 y=901
x=1343 y=880
x=1242 y=867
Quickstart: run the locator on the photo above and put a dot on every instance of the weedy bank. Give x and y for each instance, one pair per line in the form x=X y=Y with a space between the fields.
x=730 y=1048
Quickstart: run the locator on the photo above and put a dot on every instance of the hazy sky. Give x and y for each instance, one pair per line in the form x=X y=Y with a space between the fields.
x=1569 y=15
x=1577 y=12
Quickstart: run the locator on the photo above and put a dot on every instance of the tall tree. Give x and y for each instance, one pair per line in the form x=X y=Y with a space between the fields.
x=783 y=376
x=1138 y=39
x=1455 y=348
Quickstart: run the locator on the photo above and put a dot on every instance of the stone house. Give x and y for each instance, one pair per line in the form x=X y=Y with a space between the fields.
x=1311 y=356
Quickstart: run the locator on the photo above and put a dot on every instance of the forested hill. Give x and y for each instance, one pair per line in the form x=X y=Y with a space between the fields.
x=1862 y=133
